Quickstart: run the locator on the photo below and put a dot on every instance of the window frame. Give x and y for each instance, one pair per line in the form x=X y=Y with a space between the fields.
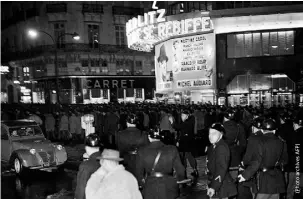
x=261 y=43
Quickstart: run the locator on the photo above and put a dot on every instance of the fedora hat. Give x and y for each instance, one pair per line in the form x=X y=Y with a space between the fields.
x=110 y=154
x=162 y=55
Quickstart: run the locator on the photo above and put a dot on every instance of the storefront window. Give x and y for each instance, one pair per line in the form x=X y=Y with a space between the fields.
x=255 y=44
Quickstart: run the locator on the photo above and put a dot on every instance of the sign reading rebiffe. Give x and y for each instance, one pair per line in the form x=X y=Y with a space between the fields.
x=145 y=31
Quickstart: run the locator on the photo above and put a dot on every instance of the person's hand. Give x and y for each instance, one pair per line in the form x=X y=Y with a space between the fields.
x=171 y=120
x=241 y=178
x=210 y=192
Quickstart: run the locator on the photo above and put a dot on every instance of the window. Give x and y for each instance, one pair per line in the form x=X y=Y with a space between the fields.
x=25 y=71
x=4 y=135
x=59 y=29
x=255 y=44
x=120 y=35
x=93 y=35
x=85 y=63
x=139 y=68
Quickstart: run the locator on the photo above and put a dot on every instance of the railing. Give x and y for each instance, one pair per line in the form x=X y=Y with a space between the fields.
x=120 y=10
x=56 y=8
x=92 y=8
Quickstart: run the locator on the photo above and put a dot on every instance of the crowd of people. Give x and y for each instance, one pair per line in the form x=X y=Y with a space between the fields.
x=251 y=152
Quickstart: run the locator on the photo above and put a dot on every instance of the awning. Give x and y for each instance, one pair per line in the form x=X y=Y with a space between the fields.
x=244 y=83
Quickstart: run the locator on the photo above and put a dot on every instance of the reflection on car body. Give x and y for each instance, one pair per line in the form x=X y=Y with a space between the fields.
x=23 y=145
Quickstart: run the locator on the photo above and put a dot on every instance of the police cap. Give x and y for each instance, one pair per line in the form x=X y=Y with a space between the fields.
x=269 y=124
x=92 y=140
x=299 y=119
x=258 y=122
x=219 y=127
x=155 y=133
x=132 y=118
x=229 y=114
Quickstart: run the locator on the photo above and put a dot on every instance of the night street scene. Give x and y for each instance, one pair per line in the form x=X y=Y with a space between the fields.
x=151 y=99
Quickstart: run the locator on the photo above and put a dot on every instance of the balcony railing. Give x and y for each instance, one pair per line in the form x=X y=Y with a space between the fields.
x=119 y=10
x=56 y=8
x=92 y=8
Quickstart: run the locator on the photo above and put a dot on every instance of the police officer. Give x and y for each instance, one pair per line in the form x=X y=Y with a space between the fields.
x=156 y=165
x=186 y=139
x=272 y=155
x=236 y=140
x=93 y=149
x=221 y=184
x=253 y=150
x=285 y=127
x=129 y=140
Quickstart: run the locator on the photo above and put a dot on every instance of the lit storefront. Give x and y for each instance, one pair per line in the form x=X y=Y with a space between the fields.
x=269 y=90
x=184 y=54
x=94 y=89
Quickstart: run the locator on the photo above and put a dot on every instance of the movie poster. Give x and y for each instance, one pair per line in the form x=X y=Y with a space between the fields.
x=186 y=63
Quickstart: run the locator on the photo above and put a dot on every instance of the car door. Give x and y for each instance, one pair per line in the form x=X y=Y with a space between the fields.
x=5 y=144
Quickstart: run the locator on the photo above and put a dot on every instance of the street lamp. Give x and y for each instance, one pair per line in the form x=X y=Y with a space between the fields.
x=34 y=33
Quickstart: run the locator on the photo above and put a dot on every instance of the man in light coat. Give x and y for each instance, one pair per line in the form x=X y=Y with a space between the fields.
x=111 y=180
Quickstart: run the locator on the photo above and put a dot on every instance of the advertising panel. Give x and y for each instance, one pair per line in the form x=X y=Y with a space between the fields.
x=186 y=63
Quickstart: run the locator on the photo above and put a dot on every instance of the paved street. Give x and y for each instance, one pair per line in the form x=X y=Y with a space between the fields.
x=62 y=185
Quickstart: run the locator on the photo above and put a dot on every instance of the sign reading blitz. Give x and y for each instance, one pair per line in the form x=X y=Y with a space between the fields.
x=186 y=63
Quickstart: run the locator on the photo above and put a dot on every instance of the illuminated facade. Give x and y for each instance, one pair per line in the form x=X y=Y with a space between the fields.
x=98 y=68
x=253 y=40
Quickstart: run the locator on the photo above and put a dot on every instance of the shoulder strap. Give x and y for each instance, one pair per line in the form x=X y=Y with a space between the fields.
x=281 y=152
x=156 y=161
x=236 y=140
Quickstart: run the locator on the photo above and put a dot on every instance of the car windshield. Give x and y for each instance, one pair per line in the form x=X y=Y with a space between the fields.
x=25 y=131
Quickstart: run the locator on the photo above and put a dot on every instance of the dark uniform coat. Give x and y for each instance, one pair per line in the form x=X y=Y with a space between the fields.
x=86 y=169
x=250 y=160
x=169 y=161
x=218 y=158
x=237 y=151
x=269 y=152
x=186 y=139
x=128 y=142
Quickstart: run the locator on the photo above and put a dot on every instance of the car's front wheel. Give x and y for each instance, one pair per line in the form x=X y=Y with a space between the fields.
x=18 y=166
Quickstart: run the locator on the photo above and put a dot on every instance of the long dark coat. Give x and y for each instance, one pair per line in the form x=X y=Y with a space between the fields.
x=186 y=129
x=86 y=169
x=272 y=149
x=218 y=158
x=165 y=187
x=233 y=129
x=128 y=140
x=251 y=157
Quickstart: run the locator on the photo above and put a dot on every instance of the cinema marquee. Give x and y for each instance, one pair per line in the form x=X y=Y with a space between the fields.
x=144 y=32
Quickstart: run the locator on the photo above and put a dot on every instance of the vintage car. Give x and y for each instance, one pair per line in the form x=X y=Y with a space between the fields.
x=24 y=146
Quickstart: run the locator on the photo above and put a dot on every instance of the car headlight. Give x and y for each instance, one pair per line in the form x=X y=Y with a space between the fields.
x=32 y=151
x=59 y=147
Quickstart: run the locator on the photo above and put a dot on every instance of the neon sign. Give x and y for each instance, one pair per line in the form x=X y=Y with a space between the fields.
x=145 y=31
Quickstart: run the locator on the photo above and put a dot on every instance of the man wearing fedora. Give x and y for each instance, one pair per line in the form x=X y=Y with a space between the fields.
x=165 y=75
x=111 y=180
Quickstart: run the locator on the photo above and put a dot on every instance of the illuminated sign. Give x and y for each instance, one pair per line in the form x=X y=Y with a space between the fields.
x=4 y=69
x=186 y=63
x=145 y=31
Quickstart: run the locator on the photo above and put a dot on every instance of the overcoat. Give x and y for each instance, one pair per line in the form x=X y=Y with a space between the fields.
x=218 y=158
x=169 y=162
x=271 y=181
x=86 y=169
x=128 y=142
